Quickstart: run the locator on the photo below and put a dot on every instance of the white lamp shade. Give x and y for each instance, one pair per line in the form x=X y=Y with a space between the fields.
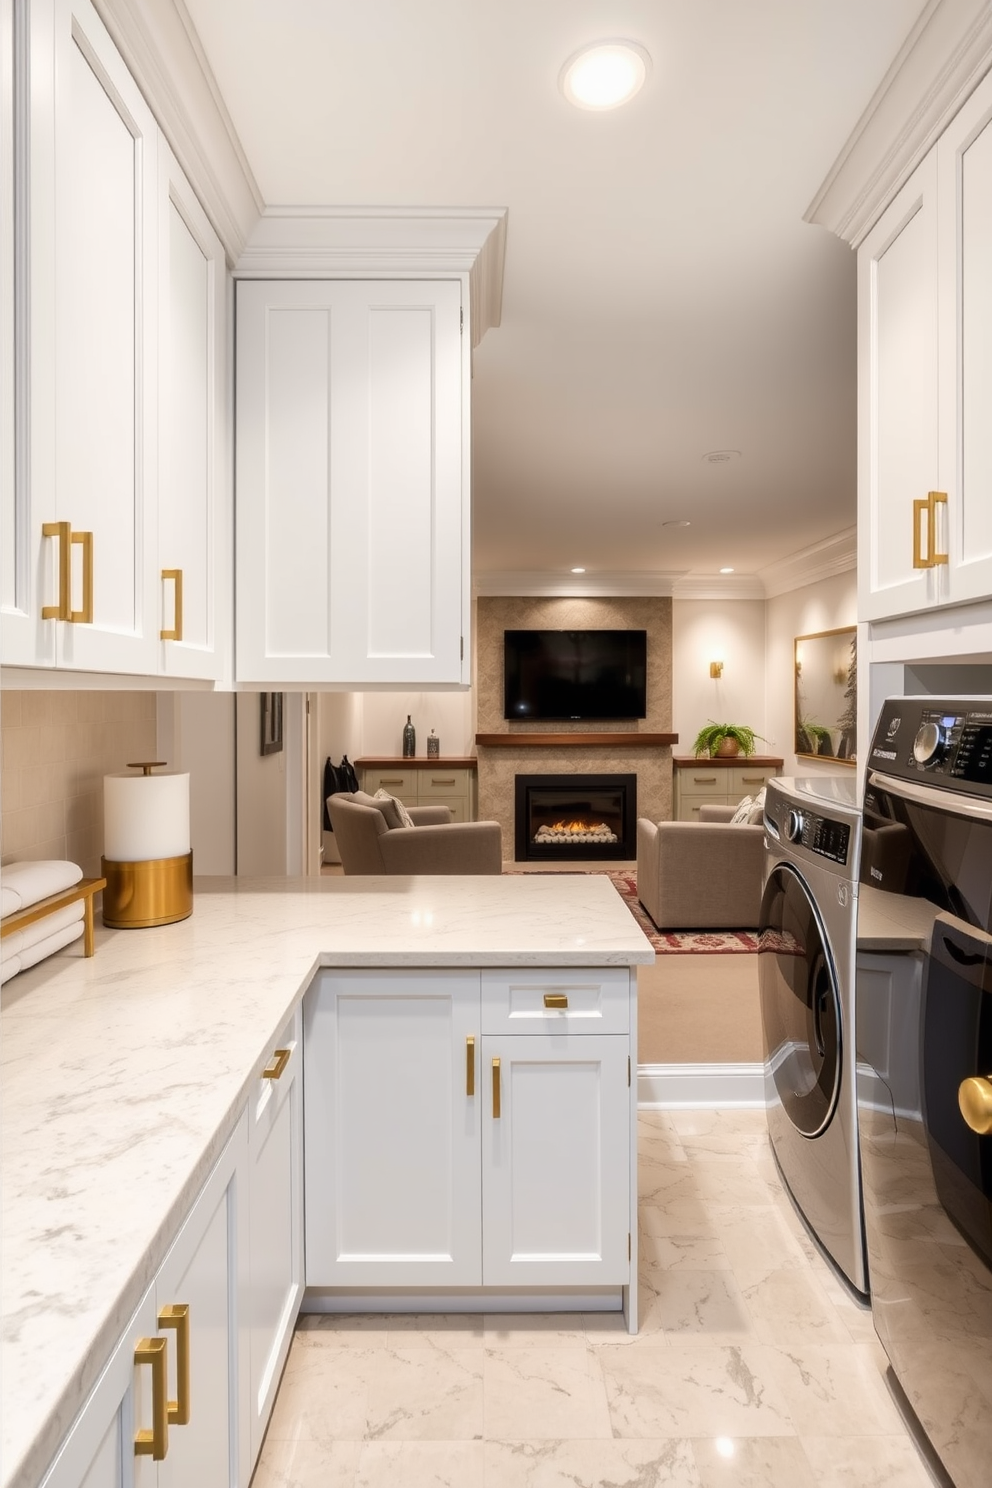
x=145 y=817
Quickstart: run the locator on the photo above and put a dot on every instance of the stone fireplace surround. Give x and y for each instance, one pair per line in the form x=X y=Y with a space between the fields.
x=498 y=766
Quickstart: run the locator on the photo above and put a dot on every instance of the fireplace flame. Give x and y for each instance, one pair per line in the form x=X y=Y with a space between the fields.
x=579 y=826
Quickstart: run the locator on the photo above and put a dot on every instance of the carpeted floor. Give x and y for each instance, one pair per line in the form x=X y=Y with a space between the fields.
x=680 y=942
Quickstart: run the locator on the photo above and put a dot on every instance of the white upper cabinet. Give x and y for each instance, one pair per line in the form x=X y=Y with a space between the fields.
x=352 y=483
x=925 y=324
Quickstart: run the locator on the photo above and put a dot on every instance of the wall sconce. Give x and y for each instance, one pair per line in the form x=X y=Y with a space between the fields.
x=716 y=668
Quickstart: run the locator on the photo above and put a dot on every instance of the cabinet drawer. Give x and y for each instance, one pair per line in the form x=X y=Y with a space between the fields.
x=524 y=1001
x=458 y=805
x=400 y=783
x=746 y=781
x=272 y=1089
x=700 y=781
x=434 y=783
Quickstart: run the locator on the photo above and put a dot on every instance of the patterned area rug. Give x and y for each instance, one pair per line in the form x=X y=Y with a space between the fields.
x=681 y=942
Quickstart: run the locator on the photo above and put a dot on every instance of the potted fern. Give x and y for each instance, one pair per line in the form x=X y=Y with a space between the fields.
x=723 y=740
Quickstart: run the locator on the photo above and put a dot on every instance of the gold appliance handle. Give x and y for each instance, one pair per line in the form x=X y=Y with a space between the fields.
x=975 y=1104
x=278 y=1063
x=154 y=1443
x=496 y=1092
x=63 y=532
x=176 y=633
x=470 y=1065
x=555 y=1000
x=176 y=1316
x=85 y=615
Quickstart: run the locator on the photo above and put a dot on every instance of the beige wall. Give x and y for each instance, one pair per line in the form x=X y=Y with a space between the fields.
x=56 y=749
x=498 y=766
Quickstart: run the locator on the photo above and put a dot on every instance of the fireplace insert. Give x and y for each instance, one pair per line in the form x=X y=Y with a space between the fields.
x=574 y=817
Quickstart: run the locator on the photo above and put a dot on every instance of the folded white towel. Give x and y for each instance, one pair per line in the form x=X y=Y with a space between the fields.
x=34 y=934
x=24 y=884
x=10 y=966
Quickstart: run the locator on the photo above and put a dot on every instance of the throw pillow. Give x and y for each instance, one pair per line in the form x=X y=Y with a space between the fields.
x=392 y=809
x=740 y=816
x=756 y=815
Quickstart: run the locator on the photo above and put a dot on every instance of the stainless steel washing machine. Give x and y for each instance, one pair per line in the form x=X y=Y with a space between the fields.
x=807 y=943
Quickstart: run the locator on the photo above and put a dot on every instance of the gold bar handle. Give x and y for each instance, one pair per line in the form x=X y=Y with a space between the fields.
x=927 y=556
x=154 y=1443
x=935 y=499
x=470 y=1065
x=384 y=781
x=85 y=615
x=555 y=1000
x=278 y=1063
x=496 y=1093
x=63 y=532
x=919 y=560
x=435 y=781
x=176 y=1316
x=176 y=633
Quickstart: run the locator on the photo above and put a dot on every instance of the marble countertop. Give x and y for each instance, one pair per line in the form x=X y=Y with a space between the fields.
x=122 y=1076
x=893 y=922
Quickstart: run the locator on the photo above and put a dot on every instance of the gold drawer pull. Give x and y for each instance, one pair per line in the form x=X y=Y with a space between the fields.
x=930 y=558
x=555 y=1000
x=85 y=615
x=154 y=1443
x=63 y=532
x=384 y=781
x=435 y=781
x=752 y=780
x=496 y=1093
x=704 y=780
x=278 y=1063
x=470 y=1065
x=176 y=633
x=975 y=1103
x=176 y=1317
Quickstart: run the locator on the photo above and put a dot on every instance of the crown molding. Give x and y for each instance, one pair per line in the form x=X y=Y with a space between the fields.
x=535 y=584
x=158 y=42
x=944 y=56
x=719 y=586
x=822 y=560
x=303 y=241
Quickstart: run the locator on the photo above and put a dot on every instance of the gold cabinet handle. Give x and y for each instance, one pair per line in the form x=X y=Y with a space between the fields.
x=176 y=1316
x=496 y=1091
x=384 y=781
x=930 y=558
x=63 y=532
x=85 y=615
x=975 y=1104
x=555 y=1000
x=470 y=1065
x=278 y=1063
x=435 y=781
x=154 y=1443
x=176 y=633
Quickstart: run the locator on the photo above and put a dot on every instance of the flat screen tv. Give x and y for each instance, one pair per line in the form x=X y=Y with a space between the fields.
x=575 y=674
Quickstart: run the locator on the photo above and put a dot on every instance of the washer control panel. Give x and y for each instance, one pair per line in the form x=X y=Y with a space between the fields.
x=823 y=835
x=949 y=743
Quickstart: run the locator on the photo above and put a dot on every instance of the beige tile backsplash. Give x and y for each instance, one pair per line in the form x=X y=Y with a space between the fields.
x=56 y=749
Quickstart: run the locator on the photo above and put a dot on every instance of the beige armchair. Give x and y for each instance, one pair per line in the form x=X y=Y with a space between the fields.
x=701 y=875
x=435 y=844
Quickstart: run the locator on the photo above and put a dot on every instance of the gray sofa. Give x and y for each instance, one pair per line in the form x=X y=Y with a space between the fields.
x=434 y=844
x=701 y=875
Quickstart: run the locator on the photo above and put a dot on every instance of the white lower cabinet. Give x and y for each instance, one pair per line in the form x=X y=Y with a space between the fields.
x=442 y=1151
x=164 y=1412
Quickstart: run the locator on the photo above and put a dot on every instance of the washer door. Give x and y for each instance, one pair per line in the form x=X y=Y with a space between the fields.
x=800 y=1008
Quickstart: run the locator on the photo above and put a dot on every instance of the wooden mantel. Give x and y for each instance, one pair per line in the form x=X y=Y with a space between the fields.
x=575 y=741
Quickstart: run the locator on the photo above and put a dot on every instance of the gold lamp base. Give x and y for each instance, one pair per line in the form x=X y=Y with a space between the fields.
x=156 y=892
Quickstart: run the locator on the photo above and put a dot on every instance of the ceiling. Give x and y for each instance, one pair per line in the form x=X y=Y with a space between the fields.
x=663 y=298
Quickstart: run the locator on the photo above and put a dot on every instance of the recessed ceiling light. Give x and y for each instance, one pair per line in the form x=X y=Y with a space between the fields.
x=578 y=570
x=721 y=457
x=604 y=75
x=681 y=523
x=726 y=570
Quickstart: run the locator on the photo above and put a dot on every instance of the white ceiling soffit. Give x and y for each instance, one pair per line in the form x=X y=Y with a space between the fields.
x=835 y=555
x=944 y=57
x=533 y=584
x=299 y=242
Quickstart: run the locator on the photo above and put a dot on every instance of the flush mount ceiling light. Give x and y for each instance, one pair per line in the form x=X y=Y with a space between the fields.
x=604 y=75
x=726 y=570
x=578 y=570
x=681 y=523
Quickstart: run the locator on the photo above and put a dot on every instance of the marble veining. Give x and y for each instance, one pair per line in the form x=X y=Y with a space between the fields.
x=123 y=1075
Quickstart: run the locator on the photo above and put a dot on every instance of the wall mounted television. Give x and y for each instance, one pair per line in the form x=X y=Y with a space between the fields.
x=575 y=674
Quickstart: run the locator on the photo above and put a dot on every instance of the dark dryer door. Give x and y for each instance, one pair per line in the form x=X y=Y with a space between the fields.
x=800 y=1008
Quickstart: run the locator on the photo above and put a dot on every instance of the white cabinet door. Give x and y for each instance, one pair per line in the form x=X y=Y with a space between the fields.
x=99 y=1450
x=275 y=1188
x=898 y=392
x=556 y=1161
x=205 y=1271
x=964 y=174
x=352 y=485
x=194 y=540
x=392 y=1123
x=102 y=357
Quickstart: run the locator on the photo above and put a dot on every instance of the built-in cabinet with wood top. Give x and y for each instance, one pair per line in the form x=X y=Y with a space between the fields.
x=925 y=324
x=717 y=782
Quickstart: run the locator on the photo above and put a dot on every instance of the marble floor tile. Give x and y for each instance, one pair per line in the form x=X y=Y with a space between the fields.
x=753 y=1462
x=342 y=1330
x=535 y=1394
x=591 y=1464
x=324 y=1394
x=765 y=1244
x=867 y=1462
x=683 y=1252
x=427 y=1393
x=538 y=1329
x=835 y=1390
x=703 y=1305
x=695 y=1389
x=418 y=1464
x=307 y=1464
x=678 y=1217
x=791 y=1303
x=449 y=1330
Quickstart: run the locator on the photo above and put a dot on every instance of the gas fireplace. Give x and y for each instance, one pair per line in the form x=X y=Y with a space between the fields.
x=561 y=817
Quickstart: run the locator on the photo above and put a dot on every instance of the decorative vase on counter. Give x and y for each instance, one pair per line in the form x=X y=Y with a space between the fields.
x=433 y=745
x=409 y=739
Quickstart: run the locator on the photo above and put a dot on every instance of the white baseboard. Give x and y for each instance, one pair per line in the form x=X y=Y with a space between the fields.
x=660 y=1086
